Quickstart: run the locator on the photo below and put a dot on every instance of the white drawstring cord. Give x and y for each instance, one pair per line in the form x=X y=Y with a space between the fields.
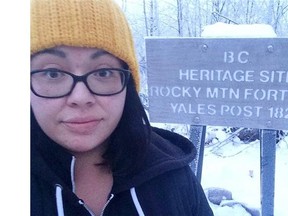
x=72 y=170
x=59 y=200
x=136 y=202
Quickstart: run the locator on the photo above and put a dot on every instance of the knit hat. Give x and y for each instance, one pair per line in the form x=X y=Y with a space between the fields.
x=85 y=23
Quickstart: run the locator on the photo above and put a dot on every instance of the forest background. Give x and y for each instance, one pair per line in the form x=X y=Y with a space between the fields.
x=187 y=18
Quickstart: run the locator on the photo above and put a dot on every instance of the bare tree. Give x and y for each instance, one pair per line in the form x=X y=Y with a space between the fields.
x=180 y=17
x=280 y=10
x=218 y=7
x=124 y=5
x=151 y=17
x=270 y=10
x=249 y=11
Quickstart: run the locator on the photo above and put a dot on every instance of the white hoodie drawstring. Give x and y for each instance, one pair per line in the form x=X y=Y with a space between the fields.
x=59 y=200
x=136 y=202
x=72 y=171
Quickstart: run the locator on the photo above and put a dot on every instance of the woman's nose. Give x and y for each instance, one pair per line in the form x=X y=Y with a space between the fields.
x=81 y=96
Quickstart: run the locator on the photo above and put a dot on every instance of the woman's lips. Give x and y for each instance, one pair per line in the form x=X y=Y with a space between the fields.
x=81 y=126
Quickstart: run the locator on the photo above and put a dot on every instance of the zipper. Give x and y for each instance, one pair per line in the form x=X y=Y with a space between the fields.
x=72 y=173
x=107 y=203
x=81 y=202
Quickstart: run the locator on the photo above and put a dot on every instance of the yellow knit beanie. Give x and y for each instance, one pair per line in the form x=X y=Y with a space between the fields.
x=86 y=23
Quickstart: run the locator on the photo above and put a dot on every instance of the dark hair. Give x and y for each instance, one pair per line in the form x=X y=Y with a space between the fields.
x=129 y=141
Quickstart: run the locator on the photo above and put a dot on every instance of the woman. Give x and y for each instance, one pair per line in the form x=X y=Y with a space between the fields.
x=93 y=151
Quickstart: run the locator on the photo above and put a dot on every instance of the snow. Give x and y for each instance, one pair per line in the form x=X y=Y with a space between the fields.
x=234 y=165
x=225 y=30
x=235 y=211
x=240 y=174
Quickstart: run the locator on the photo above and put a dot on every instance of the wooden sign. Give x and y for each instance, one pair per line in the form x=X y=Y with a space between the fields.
x=240 y=82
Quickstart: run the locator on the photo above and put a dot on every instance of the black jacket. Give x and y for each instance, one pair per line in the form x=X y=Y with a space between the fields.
x=165 y=186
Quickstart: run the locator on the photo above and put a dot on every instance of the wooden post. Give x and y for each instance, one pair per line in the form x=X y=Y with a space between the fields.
x=197 y=137
x=268 y=154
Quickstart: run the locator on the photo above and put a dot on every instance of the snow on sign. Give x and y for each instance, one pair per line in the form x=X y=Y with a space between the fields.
x=239 y=82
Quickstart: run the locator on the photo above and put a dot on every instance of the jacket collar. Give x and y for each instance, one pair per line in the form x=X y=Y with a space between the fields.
x=167 y=151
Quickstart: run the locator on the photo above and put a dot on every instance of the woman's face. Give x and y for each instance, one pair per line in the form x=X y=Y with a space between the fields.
x=81 y=121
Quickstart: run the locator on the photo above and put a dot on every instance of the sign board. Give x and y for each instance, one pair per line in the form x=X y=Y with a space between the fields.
x=241 y=82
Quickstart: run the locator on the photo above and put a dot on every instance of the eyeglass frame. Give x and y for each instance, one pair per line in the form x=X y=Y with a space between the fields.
x=82 y=78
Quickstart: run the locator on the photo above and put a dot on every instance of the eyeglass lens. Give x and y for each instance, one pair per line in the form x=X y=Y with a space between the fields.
x=56 y=83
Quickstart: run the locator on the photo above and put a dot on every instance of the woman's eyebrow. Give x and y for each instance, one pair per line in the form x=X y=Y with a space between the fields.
x=51 y=51
x=99 y=53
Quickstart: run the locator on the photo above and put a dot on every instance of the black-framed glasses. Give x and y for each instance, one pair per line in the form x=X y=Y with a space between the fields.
x=54 y=83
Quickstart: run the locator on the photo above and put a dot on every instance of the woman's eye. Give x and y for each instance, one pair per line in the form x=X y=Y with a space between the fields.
x=54 y=74
x=104 y=73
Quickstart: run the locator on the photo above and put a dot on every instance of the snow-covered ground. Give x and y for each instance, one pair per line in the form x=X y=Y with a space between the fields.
x=236 y=167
